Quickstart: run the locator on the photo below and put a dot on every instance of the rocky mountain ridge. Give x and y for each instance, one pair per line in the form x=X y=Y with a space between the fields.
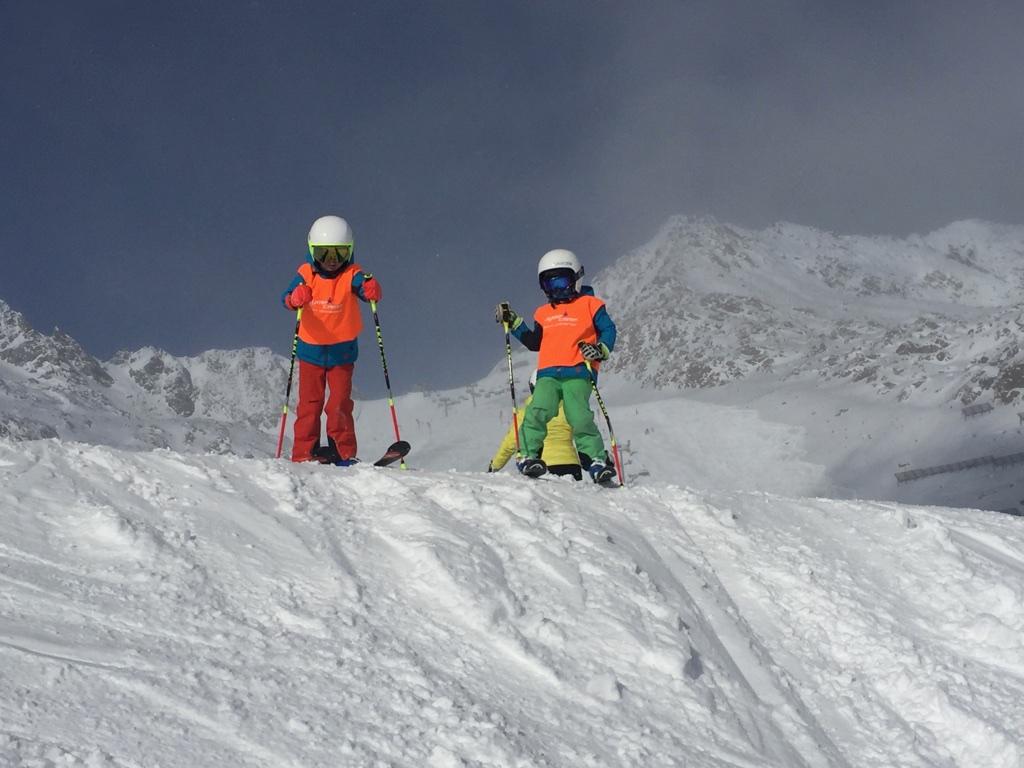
x=51 y=387
x=928 y=319
x=931 y=320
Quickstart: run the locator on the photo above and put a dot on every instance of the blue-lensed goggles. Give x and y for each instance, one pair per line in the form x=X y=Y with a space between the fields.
x=556 y=283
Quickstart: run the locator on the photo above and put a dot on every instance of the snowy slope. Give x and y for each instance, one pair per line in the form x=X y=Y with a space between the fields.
x=162 y=609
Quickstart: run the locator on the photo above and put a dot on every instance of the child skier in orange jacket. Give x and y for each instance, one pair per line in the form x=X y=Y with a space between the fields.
x=327 y=289
x=573 y=334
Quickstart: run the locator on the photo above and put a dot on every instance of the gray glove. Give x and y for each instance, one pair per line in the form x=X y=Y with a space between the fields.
x=593 y=352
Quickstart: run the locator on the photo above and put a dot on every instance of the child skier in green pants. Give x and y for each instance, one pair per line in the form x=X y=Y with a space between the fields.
x=571 y=329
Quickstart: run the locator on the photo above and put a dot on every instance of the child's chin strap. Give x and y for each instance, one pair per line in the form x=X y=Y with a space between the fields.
x=565 y=300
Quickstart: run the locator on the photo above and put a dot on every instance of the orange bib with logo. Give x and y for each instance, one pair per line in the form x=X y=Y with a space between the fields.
x=333 y=315
x=565 y=326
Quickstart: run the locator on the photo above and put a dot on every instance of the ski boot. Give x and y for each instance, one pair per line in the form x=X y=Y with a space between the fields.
x=603 y=474
x=326 y=454
x=532 y=467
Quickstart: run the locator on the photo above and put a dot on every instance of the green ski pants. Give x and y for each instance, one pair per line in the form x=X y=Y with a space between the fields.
x=575 y=396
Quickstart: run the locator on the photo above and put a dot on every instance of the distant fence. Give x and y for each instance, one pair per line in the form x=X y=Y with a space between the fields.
x=976 y=409
x=998 y=461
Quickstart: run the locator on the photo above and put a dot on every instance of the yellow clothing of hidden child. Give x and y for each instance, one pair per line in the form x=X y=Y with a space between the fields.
x=559 y=448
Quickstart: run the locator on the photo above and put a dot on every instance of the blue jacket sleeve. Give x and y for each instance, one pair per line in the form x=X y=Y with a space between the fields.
x=295 y=283
x=529 y=337
x=606 y=332
x=357 y=283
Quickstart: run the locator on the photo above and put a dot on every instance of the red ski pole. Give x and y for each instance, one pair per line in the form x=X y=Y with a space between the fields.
x=288 y=392
x=611 y=432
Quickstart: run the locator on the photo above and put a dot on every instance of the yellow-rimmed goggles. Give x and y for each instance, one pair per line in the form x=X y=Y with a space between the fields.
x=331 y=254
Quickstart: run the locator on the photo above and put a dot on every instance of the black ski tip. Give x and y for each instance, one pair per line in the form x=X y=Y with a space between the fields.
x=397 y=450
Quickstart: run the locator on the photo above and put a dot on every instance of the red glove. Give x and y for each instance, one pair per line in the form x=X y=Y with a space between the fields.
x=371 y=289
x=299 y=297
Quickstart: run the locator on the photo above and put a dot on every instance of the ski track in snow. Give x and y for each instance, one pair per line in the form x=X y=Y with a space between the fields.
x=169 y=610
x=916 y=626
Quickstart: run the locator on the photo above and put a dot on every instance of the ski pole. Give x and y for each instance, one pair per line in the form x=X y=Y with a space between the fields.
x=387 y=379
x=512 y=387
x=611 y=432
x=288 y=391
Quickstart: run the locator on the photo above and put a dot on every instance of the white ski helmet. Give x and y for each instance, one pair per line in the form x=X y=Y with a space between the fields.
x=560 y=258
x=330 y=230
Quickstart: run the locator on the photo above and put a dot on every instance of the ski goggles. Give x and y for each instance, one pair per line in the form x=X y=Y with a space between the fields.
x=340 y=253
x=556 y=283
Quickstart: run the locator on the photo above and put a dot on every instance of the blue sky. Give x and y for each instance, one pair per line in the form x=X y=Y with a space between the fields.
x=161 y=163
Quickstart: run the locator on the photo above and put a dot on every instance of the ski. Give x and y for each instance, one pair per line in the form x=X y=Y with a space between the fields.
x=329 y=455
x=396 y=451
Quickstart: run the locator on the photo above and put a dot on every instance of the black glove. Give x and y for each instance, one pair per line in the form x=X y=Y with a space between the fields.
x=489 y=467
x=503 y=314
x=593 y=352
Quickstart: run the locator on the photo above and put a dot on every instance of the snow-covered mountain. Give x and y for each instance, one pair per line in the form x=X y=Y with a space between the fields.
x=219 y=401
x=926 y=319
x=863 y=349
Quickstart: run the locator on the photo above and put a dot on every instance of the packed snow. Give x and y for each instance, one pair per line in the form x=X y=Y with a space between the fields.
x=163 y=609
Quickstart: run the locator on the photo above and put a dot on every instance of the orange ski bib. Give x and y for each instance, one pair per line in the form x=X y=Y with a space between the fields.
x=333 y=315
x=565 y=326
